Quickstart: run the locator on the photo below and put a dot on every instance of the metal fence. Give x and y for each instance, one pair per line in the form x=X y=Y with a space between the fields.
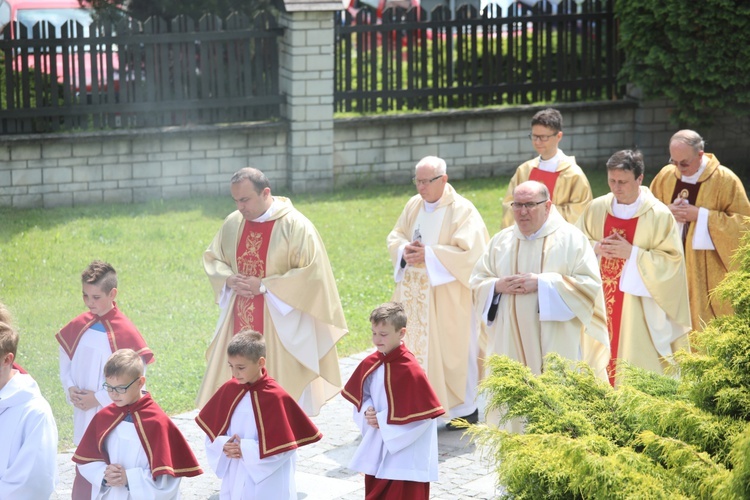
x=415 y=60
x=139 y=74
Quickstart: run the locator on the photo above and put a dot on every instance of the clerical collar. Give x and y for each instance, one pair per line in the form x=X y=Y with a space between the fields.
x=268 y=213
x=622 y=211
x=692 y=179
x=535 y=234
x=431 y=207
x=551 y=164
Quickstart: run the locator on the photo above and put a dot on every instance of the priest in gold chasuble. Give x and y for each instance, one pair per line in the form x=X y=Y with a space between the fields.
x=270 y=272
x=710 y=205
x=642 y=267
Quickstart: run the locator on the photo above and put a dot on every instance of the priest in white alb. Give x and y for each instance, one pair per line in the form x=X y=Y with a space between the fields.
x=538 y=288
x=434 y=246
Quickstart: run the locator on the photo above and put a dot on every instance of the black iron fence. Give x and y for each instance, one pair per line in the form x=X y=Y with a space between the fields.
x=415 y=60
x=139 y=74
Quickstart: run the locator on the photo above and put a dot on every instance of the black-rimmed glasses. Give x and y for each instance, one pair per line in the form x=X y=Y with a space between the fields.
x=119 y=389
x=528 y=206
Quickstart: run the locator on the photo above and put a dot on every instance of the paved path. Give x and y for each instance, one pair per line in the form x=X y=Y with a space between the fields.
x=322 y=472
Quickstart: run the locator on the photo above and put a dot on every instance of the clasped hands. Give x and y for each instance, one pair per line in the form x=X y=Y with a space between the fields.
x=115 y=475
x=244 y=286
x=614 y=246
x=371 y=417
x=517 y=284
x=683 y=211
x=82 y=398
x=232 y=447
x=414 y=253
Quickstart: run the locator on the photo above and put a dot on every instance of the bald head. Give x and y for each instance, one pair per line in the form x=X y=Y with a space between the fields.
x=531 y=206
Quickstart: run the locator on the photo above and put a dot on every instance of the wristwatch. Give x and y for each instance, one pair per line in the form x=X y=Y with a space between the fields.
x=262 y=289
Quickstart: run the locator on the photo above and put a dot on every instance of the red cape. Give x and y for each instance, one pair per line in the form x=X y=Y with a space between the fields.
x=410 y=394
x=18 y=367
x=121 y=332
x=281 y=423
x=168 y=451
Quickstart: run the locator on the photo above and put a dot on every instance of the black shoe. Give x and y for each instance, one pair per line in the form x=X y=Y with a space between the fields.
x=456 y=424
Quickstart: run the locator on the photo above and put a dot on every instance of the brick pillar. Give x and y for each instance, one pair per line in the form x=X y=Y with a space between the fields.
x=306 y=78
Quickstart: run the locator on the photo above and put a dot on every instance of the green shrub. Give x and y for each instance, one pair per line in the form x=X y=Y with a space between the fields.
x=653 y=437
x=697 y=54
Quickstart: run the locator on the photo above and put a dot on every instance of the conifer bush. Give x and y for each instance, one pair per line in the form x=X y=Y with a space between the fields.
x=654 y=437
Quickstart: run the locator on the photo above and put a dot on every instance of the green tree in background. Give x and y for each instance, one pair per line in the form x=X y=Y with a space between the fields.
x=695 y=53
x=653 y=437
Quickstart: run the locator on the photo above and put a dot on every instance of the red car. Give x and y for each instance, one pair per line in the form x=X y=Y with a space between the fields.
x=59 y=13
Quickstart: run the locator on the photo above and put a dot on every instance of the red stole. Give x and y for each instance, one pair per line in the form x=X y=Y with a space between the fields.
x=611 y=270
x=409 y=392
x=687 y=192
x=252 y=249
x=121 y=332
x=547 y=178
x=281 y=423
x=168 y=451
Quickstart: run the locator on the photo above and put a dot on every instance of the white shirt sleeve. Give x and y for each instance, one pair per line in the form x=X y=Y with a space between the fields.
x=551 y=306
x=436 y=271
x=398 y=437
x=65 y=373
x=398 y=271
x=142 y=485
x=631 y=281
x=701 y=237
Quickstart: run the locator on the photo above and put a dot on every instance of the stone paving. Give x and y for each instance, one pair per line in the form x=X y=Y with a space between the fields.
x=322 y=472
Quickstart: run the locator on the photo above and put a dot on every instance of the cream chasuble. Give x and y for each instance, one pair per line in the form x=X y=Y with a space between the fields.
x=572 y=190
x=655 y=314
x=722 y=194
x=561 y=255
x=302 y=314
x=440 y=330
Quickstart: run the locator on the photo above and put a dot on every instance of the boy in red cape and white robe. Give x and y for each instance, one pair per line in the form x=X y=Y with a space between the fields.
x=132 y=449
x=396 y=410
x=86 y=343
x=253 y=427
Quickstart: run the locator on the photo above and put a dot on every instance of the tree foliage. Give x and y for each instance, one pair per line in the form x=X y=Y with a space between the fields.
x=169 y=9
x=697 y=54
x=653 y=437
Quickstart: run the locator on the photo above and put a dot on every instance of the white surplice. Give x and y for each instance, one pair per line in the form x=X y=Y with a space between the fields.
x=406 y=452
x=251 y=477
x=28 y=441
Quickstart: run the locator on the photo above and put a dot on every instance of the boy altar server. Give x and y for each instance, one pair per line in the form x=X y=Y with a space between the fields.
x=253 y=427
x=396 y=410
x=28 y=433
x=86 y=343
x=132 y=449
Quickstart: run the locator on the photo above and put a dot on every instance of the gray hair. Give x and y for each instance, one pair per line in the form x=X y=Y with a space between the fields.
x=690 y=138
x=433 y=161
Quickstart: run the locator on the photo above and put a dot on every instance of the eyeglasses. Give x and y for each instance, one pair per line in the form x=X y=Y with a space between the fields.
x=418 y=182
x=119 y=389
x=541 y=138
x=528 y=206
x=683 y=163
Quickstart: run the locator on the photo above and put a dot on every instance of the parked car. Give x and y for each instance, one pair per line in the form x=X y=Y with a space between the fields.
x=379 y=5
x=58 y=14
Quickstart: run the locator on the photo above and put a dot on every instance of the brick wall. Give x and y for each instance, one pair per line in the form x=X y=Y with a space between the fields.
x=133 y=166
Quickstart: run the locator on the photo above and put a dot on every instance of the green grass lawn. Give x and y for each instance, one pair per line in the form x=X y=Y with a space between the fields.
x=157 y=247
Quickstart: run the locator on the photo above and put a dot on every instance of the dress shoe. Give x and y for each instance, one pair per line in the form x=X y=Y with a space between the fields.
x=455 y=424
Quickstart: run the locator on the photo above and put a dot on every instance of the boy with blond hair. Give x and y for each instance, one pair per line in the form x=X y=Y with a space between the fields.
x=86 y=343
x=132 y=449
x=253 y=427
x=28 y=447
x=395 y=408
